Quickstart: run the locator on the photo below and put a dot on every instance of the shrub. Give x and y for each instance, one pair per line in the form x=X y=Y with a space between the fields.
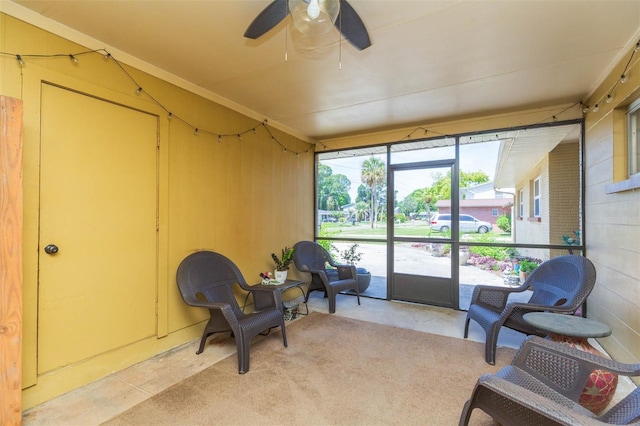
x=528 y=264
x=504 y=223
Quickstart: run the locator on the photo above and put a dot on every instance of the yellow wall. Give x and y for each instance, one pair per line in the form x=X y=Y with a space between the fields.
x=613 y=218
x=244 y=198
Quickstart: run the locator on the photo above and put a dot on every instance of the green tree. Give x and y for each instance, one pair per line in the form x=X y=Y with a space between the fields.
x=441 y=188
x=374 y=176
x=333 y=190
x=469 y=179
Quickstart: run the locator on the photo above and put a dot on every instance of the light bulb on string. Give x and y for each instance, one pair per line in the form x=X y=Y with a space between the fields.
x=637 y=48
x=609 y=98
x=138 y=90
x=585 y=109
x=169 y=116
x=20 y=61
x=195 y=131
x=314 y=9
x=73 y=59
x=220 y=138
x=596 y=108
x=623 y=79
x=314 y=17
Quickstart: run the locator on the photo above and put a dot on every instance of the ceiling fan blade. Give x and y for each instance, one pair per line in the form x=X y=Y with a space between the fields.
x=352 y=27
x=267 y=19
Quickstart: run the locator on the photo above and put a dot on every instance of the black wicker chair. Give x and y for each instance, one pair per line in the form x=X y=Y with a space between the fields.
x=311 y=257
x=561 y=284
x=206 y=279
x=543 y=385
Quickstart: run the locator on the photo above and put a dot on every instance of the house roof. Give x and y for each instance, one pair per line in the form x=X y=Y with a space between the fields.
x=429 y=61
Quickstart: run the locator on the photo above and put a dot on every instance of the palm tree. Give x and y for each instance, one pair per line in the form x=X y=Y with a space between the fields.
x=373 y=175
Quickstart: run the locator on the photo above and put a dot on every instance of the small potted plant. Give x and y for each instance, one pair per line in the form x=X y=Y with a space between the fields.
x=352 y=256
x=282 y=263
x=527 y=265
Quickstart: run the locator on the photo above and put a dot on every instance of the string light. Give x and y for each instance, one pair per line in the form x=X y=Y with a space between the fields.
x=139 y=90
x=608 y=98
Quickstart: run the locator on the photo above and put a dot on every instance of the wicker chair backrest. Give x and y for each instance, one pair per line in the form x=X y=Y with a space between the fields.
x=564 y=281
x=209 y=276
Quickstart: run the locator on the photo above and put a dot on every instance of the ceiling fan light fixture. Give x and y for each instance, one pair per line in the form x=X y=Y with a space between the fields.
x=314 y=17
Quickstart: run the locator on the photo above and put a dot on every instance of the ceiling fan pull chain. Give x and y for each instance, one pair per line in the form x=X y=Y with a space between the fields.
x=286 y=43
x=340 y=43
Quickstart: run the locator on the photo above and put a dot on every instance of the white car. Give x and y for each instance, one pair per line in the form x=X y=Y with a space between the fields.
x=468 y=223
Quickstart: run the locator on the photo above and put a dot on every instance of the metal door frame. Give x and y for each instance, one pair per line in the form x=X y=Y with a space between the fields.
x=439 y=291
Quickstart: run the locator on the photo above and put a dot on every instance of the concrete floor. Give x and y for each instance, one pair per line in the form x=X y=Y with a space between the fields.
x=106 y=398
x=110 y=396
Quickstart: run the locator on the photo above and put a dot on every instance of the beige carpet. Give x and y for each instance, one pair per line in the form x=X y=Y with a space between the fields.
x=336 y=371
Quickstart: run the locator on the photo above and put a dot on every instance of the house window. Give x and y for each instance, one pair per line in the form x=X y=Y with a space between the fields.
x=494 y=212
x=536 y=198
x=521 y=199
x=633 y=137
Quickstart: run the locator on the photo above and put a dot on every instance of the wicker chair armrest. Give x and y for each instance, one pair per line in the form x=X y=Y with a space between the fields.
x=526 y=405
x=512 y=307
x=494 y=298
x=209 y=305
x=265 y=298
x=346 y=272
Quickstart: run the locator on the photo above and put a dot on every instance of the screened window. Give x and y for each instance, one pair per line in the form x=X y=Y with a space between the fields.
x=633 y=138
x=536 y=198
x=521 y=206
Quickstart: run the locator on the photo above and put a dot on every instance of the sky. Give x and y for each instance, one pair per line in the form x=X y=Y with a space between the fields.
x=473 y=157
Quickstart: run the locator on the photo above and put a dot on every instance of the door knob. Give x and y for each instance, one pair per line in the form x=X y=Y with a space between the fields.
x=51 y=249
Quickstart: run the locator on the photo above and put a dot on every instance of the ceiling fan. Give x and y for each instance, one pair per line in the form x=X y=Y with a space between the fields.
x=347 y=21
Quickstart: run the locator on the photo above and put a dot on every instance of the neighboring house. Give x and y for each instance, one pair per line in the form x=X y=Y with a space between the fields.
x=327 y=216
x=547 y=198
x=487 y=209
x=482 y=191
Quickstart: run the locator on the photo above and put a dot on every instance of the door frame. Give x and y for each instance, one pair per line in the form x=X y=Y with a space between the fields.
x=439 y=291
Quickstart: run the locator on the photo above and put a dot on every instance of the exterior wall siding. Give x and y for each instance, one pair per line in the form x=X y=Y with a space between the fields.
x=612 y=221
x=530 y=229
x=564 y=193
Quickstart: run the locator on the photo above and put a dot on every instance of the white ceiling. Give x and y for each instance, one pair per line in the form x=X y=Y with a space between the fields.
x=429 y=60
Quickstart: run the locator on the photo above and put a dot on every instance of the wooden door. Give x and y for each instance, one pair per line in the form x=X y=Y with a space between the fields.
x=98 y=209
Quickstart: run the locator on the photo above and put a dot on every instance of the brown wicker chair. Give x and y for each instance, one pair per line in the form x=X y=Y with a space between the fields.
x=206 y=279
x=561 y=284
x=312 y=258
x=543 y=384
